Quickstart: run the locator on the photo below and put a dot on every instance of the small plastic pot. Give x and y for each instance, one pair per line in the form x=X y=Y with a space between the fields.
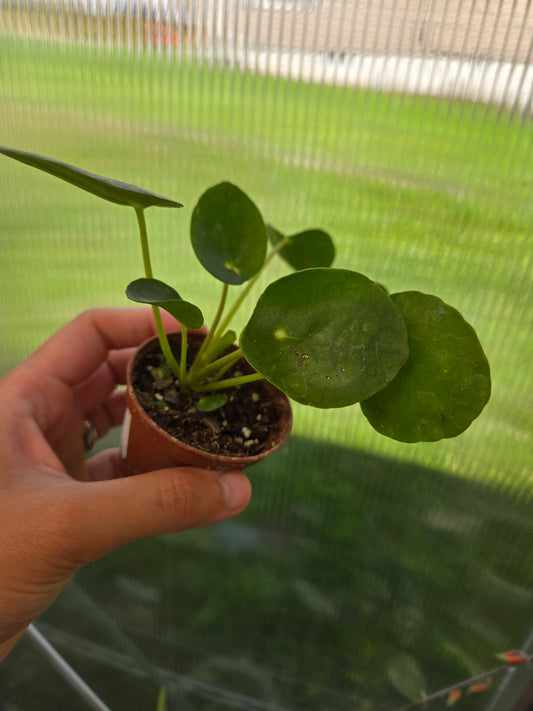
x=147 y=447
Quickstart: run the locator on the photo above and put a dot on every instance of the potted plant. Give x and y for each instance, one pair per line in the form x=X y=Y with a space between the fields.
x=321 y=336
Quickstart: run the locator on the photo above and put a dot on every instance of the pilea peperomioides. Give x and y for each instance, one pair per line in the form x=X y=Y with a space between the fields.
x=326 y=337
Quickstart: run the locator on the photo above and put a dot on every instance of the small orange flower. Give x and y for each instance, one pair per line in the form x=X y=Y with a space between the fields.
x=454 y=696
x=514 y=656
x=477 y=688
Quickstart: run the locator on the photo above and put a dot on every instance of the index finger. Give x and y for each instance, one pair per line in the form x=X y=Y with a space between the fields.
x=80 y=347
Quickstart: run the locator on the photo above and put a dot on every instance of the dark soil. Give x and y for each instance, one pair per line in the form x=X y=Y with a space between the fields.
x=240 y=428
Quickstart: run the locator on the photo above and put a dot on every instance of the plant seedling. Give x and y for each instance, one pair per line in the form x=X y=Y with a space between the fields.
x=326 y=337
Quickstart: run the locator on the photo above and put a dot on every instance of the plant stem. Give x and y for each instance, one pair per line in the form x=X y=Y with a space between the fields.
x=230 y=382
x=183 y=361
x=231 y=313
x=139 y=211
x=221 y=372
x=222 y=363
x=163 y=340
x=244 y=293
x=165 y=345
x=211 y=333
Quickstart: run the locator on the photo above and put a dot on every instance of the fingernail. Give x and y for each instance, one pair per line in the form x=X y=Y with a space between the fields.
x=237 y=489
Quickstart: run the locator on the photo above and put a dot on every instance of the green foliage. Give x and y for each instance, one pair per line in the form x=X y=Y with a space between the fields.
x=228 y=234
x=105 y=188
x=444 y=385
x=157 y=293
x=311 y=248
x=212 y=402
x=326 y=337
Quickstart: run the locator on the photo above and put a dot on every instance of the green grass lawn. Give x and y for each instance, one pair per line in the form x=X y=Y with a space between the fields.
x=418 y=193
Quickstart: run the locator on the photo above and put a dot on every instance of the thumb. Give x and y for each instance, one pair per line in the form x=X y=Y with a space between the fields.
x=108 y=514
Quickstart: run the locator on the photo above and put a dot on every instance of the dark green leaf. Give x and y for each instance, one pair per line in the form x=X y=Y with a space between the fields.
x=326 y=337
x=445 y=383
x=157 y=293
x=150 y=291
x=304 y=250
x=228 y=234
x=106 y=188
x=274 y=235
x=212 y=402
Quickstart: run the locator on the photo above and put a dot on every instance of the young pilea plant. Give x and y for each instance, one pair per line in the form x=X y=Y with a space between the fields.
x=326 y=337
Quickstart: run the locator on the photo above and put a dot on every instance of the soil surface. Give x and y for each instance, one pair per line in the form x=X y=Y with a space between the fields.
x=240 y=428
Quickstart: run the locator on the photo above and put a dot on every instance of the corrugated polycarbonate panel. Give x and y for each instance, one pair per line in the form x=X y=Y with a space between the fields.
x=365 y=573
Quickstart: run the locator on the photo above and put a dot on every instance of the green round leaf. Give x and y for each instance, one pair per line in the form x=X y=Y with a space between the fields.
x=157 y=293
x=445 y=383
x=208 y=403
x=106 y=188
x=326 y=337
x=228 y=234
x=304 y=250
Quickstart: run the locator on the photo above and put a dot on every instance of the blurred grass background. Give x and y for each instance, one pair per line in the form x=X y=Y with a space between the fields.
x=363 y=567
x=418 y=193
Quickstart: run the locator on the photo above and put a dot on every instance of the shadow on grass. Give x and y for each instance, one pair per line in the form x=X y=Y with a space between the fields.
x=351 y=582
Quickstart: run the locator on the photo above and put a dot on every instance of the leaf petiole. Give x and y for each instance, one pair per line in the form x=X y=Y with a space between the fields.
x=212 y=331
x=230 y=382
x=163 y=340
x=165 y=345
x=183 y=360
x=222 y=364
x=246 y=290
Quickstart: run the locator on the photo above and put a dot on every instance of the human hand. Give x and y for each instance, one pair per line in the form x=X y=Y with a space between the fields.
x=59 y=511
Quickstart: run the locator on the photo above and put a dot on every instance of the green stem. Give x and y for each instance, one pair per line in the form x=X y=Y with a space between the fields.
x=162 y=336
x=183 y=361
x=244 y=293
x=222 y=363
x=231 y=313
x=139 y=211
x=211 y=333
x=221 y=372
x=230 y=382
x=220 y=310
x=165 y=345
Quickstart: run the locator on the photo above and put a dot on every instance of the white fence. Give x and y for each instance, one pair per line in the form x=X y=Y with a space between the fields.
x=479 y=50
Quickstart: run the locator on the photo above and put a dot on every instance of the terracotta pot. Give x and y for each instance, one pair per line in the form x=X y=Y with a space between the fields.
x=146 y=447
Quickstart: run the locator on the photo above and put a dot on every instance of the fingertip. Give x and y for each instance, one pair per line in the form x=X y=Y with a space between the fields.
x=237 y=490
